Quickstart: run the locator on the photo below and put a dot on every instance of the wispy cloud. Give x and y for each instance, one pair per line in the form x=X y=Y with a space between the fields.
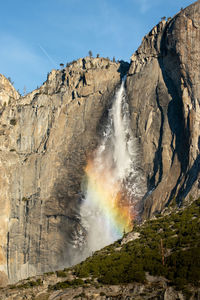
x=144 y=5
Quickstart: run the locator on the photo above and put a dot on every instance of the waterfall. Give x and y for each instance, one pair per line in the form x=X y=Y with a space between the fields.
x=113 y=184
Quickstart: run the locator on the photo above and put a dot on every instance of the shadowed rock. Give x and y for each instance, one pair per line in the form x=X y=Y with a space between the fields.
x=46 y=137
x=164 y=94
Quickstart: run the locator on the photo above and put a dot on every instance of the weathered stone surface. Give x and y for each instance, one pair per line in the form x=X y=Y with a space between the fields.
x=164 y=94
x=8 y=93
x=44 y=141
x=132 y=236
x=45 y=138
x=153 y=289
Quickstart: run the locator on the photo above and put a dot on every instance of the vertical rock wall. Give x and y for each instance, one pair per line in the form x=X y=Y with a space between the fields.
x=45 y=138
x=44 y=142
x=164 y=93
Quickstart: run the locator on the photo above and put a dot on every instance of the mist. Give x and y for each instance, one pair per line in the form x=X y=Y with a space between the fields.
x=113 y=182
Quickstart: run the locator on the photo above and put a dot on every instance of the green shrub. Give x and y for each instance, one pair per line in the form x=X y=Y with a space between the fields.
x=49 y=273
x=61 y=274
x=66 y=284
x=13 y=122
x=30 y=284
x=180 y=235
x=25 y=199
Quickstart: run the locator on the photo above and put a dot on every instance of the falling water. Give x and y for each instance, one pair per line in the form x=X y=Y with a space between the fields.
x=113 y=180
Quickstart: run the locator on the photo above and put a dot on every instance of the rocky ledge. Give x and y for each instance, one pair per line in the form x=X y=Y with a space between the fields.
x=164 y=94
x=45 y=138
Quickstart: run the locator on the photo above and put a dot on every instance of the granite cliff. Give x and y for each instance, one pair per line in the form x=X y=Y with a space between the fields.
x=46 y=136
x=164 y=94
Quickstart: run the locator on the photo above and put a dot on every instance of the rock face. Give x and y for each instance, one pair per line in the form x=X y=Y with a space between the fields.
x=8 y=93
x=164 y=94
x=44 y=140
x=155 y=289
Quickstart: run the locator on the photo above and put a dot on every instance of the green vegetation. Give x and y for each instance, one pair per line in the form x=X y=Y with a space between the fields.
x=90 y=53
x=168 y=246
x=61 y=273
x=25 y=199
x=13 y=122
x=12 y=82
x=66 y=284
x=49 y=273
x=29 y=284
x=70 y=63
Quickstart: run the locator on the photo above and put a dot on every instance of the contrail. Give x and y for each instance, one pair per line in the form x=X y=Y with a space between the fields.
x=47 y=55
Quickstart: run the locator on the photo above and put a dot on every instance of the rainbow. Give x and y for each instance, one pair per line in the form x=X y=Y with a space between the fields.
x=110 y=197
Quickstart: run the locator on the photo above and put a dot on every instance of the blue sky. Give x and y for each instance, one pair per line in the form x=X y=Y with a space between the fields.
x=37 y=35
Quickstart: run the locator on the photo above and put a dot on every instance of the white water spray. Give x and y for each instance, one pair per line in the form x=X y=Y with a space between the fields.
x=114 y=182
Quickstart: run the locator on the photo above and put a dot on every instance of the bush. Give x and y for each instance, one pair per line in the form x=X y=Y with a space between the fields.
x=30 y=284
x=66 y=284
x=13 y=122
x=24 y=199
x=61 y=274
x=180 y=235
x=90 y=53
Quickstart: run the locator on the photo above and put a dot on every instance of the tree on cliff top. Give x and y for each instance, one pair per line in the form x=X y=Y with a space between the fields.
x=90 y=53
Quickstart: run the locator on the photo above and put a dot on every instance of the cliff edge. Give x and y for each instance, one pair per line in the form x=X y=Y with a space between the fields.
x=45 y=138
x=44 y=141
x=164 y=94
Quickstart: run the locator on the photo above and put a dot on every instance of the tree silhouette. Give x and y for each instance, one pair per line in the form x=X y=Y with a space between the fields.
x=90 y=53
x=12 y=82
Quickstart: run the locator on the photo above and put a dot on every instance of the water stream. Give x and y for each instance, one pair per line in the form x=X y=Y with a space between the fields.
x=113 y=185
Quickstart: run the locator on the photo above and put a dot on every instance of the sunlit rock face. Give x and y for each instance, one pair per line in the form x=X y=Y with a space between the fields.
x=45 y=138
x=8 y=93
x=49 y=137
x=164 y=94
